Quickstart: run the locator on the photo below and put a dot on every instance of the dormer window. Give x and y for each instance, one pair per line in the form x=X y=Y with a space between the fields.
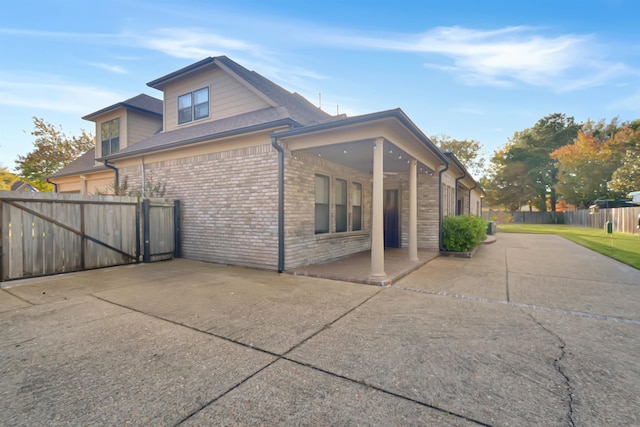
x=193 y=106
x=110 y=136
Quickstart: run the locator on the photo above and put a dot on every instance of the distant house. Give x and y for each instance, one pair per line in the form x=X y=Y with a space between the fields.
x=266 y=179
x=23 y=186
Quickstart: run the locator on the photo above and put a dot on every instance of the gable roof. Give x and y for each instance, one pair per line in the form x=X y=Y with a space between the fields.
x=300 y=110
x=142 y=103
x=83 y=164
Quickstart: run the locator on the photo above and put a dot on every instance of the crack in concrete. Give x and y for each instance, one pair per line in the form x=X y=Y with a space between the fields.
x=557 y=365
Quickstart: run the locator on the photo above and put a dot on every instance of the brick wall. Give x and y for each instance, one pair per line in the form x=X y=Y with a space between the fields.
x=229 y=203
x=303 y=246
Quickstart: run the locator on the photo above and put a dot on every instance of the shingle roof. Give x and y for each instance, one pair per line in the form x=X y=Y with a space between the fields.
x=143 y=103
x=301 y=110
x=255 y=120
x=83 y=164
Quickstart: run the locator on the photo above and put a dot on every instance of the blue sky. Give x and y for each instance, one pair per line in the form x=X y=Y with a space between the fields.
x=468 y=69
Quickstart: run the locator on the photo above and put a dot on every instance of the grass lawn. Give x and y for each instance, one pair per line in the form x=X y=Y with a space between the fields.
x=626 y=247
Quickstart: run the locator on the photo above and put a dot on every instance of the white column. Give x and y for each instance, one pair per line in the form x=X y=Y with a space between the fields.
x=377 y=219
x=413 y=211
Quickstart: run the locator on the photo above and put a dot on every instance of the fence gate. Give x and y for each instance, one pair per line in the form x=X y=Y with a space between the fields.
x=47 y=233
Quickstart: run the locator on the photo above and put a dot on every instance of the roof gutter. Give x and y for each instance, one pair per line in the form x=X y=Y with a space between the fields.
x=440 y=216
x=280 y=150
x=205 y=138
x=464 y=174
x=117 y=179
x=55 y=186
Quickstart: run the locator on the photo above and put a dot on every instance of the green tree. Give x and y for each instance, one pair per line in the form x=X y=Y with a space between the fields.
x=586 y=166
x=7 y=179
x=52 y=151
x=626 y=177
x=507 y=183
x=468 y=151
x=533 y=147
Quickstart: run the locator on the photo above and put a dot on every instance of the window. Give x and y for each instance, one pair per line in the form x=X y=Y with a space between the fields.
x=356 y=206
x=341 y=205
x=322 y=204
x=110 y=136
x=193 y=106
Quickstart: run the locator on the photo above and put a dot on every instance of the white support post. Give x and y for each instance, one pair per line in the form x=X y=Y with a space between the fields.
x=377 y=218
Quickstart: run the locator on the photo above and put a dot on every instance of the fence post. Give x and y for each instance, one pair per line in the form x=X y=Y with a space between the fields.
x=146 y=208
x=176 y=229
x=138 y=232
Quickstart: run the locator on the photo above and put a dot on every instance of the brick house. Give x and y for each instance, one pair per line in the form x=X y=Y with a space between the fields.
x=268 y=180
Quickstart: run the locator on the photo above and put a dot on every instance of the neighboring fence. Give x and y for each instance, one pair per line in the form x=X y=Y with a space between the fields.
x=47 y=233
x=624 y=220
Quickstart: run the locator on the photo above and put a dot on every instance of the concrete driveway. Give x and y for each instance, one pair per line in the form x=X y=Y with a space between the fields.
x=534 y=330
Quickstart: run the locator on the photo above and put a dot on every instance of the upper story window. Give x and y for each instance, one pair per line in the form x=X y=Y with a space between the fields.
x=110 y=137
x=193 y=106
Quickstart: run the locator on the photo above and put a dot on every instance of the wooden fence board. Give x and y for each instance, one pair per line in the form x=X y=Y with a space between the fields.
x=624 y=220
x=45 y=233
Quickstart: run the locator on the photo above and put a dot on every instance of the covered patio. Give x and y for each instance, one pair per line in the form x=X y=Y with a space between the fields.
x=356 y=268
x=382 y=145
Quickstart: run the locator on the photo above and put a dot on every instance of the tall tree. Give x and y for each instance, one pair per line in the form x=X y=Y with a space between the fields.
x=52 y=151
x=468 y=151
x=7 y=179
x=586 y=166
x=507 y=183
x=534 y=146
x=626 y=177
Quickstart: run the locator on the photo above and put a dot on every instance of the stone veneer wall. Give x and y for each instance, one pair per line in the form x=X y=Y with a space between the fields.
x=229 y=203
x=303 y=246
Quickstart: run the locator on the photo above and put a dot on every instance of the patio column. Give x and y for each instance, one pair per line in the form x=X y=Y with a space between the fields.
x=377 y=218
x=413 y=211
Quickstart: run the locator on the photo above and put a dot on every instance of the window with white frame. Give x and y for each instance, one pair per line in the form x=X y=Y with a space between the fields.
x=356 y=206
x=322 y=204
x=110 y=137
x=193 y=106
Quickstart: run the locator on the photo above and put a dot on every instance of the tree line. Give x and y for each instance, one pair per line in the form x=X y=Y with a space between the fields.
x=559 y=160
x=556 y=160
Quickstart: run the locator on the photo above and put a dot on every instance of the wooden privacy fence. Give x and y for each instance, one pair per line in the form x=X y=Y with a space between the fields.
x=624 y=220
x=47 y=233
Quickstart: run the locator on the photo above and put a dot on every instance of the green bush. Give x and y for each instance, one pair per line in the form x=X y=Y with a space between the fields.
x=463 y=233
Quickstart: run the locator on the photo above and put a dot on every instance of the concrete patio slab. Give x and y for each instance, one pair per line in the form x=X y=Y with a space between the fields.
x=487 y=362
x=600 y=361
x=10 y=302
x=287 y=393
x=491 y=340
x=261 y=309
x=88 y=362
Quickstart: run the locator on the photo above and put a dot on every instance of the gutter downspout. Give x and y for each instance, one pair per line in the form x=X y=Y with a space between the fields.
x=55 y=186
x=464 y=174
x=446 y=162
x=474 y=186
x=280 y=150
x=117 y=181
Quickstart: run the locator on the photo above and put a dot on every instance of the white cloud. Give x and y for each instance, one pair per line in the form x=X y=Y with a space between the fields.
x=190 y=44
x=504 y=56
x=113 y=68
x=33 y=93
